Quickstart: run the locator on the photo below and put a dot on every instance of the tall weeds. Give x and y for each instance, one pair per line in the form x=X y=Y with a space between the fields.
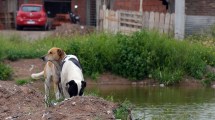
x=137 y=56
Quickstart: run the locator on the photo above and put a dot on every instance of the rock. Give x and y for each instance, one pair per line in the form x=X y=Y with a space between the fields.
x=134 y=83
x=213 y=86
x=108 y=112
x=162 y=85
x=73 y=103
x=26 y=90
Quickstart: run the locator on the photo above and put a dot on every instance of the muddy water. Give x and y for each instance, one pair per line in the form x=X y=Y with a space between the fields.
x=167 y=103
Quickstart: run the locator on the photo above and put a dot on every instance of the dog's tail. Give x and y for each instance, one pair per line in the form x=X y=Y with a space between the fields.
x=37 y=75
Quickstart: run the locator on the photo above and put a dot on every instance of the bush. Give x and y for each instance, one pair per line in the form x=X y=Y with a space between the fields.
x=122 y=111
x=136 y=56
x=5 y=72
x=95 y=52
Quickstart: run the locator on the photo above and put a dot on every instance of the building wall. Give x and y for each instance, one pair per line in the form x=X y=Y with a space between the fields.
x=200 y=7
x=134 y=5
x=200 y=16
x=81 y=11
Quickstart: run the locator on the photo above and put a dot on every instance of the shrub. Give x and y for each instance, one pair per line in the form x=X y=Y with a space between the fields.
x=5 y=72
x=96 y=53
x=136 y=56
x=122 y=111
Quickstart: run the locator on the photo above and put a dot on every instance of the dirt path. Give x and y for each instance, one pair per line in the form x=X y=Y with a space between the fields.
x=27 y=34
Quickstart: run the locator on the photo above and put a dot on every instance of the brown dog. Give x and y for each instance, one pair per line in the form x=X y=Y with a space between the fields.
x=51 y=73
x=72 y=79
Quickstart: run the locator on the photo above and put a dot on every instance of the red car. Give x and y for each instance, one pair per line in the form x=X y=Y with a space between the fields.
x=31 y=15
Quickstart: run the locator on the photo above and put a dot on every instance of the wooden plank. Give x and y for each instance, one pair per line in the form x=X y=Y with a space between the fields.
x=161 y=23
x=172 y=20
x=151 y=20
x=167 y=22
x=130 y=23
x=132 y=18
x=146 y=20
x=157 y=17
x=106 y=20
x=113 y=22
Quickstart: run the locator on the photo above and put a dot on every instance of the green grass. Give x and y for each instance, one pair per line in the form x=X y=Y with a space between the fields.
x=122 y=112
x=22 y=81
x=135 y=56
x=5 y=72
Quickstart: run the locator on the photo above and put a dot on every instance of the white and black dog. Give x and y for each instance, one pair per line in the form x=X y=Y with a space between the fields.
x=71 y=76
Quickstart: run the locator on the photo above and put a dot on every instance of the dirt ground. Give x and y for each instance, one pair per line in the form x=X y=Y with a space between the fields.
x=27 y=101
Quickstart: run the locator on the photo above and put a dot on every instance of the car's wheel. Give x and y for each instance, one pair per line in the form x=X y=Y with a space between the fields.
x=44 y=28
x=19 y=27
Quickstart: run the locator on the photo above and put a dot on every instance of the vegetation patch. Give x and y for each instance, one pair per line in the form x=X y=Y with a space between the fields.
x=140 y=55
x=123 y=111
x=22 y=82
x=5 y=72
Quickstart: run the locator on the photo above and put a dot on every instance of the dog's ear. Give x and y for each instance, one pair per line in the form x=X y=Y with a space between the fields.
x=60 y=52
x=83 y=84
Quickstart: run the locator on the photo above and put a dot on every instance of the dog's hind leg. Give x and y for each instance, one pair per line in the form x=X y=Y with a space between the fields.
x=57 y=90
x=47 y=91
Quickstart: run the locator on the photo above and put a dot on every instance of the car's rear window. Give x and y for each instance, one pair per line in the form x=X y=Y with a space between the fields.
x=31 y=8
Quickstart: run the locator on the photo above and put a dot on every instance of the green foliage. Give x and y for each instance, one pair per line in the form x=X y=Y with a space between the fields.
x=210 y=77
x=96 y=53
x=5 y=72
x=134 y=56
x=168 y=77
x=22 y=82
x=122 y=111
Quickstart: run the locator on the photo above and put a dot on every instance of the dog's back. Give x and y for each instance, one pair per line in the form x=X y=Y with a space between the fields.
x=72 y=76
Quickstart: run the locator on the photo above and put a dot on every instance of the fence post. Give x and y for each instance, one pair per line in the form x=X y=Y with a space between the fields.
x=141 y=6
x=179 y=19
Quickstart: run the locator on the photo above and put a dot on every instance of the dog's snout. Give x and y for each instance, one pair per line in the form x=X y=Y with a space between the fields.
x=43 y=58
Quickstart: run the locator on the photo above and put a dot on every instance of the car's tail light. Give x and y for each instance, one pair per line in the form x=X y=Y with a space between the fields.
x=18 y=14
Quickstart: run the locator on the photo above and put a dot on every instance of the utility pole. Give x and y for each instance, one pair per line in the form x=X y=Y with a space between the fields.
x=179 y=19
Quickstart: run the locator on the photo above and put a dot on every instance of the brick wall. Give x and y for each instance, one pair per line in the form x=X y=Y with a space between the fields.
x=134 y=5
x=81 y=11
x=1 y=6
x=126 y=5
x=200 y=7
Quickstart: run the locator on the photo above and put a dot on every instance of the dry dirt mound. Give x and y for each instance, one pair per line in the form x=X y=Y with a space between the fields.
x=17 y=102
x=68 y=29
x=82 y=108
x=26 y=102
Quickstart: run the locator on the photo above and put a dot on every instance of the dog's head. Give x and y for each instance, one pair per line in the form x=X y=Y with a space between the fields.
x=54 y=54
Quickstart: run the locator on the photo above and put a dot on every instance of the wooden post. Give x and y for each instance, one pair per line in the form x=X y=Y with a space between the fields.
x=98 y=8
x=179 y=19
x=141 y=6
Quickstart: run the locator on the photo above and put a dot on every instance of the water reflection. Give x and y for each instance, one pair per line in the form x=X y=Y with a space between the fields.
x=157 y=103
